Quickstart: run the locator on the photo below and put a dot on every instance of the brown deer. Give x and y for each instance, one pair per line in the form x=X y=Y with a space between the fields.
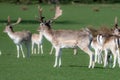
x=19 y=37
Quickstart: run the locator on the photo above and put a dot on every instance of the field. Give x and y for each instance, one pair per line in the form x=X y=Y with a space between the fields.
x=40 y=67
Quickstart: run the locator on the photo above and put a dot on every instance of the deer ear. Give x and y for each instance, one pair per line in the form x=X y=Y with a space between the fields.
x=116 y=26
x=49 y=21
x=8 y=20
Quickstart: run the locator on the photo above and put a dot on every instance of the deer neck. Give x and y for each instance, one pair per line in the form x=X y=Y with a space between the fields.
x=11 y=34
x=40 y=36
x=48 y=34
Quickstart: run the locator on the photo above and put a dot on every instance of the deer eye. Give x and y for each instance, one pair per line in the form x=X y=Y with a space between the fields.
x=42 y=24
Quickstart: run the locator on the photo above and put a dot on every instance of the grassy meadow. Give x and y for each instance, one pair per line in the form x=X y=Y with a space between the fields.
x=40 y=67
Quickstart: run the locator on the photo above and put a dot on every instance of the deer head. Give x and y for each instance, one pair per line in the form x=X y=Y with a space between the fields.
x=9 y=26
x=43 y=23
x=116 y=29
x=46 y=24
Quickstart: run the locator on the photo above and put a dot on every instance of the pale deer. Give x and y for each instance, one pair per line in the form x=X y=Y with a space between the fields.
x=19 y=37
x=58 y=13
x=37 y=39
x=111 y=42
x=67 y=39
x=98 y=49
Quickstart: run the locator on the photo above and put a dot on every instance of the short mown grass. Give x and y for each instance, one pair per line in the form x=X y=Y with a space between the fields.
x=40 y=67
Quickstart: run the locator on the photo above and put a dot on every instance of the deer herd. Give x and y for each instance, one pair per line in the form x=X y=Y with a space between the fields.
x=104 y=41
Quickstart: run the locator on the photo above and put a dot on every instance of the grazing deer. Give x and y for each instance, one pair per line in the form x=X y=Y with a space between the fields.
x=18 y=37
x=37 y=39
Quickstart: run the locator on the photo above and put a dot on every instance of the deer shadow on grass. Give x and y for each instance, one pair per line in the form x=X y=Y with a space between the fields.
x=66 y=22
x=96 y=67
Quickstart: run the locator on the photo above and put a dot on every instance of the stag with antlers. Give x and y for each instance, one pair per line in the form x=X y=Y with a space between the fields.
x=19 y=37
x=66 y=39
x=58 y=13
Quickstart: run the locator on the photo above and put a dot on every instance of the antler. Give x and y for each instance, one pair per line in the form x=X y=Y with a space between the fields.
x=8 y=20
x=116 y=22
x=40 y=14
x=18 y=21
x=58 y=12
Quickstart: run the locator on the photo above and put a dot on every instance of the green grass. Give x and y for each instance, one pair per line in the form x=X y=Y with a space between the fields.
x=40 y=67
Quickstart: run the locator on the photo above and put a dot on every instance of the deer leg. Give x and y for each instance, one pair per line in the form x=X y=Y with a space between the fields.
x=91 y=63
x=41 y=47
x=32 y=47
x=115 y=58
x=38 y=48
x=60 y=58
x=105 y=58
x=17 y=51
x=96 y=55
x=114 y=62
x=99 y=56
x=91 y=56
x=22 y=51
x=51 y=50
x=27 y=44
x=118 y=56
x=75 y=51
x=57 y=56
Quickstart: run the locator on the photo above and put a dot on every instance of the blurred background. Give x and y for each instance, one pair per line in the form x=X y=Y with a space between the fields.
x=59 y=1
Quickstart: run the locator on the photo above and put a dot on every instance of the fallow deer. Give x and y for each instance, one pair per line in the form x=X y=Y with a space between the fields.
x=67 y=39
x=111 y=42
x=37 y=39
x=58 y=13
x=98 y=49
x=19 y=37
